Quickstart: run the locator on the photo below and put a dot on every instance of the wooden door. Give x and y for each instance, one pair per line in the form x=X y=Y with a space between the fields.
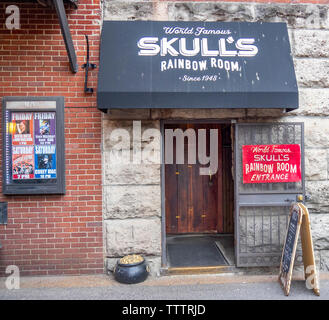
x=193 y=201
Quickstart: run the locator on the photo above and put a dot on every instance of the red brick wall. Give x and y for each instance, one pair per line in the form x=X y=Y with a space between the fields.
x=56 y=234
x=259 y=1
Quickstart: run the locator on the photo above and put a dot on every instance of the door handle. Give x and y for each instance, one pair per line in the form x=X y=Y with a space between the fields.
x=210 y=179
x=211 y=183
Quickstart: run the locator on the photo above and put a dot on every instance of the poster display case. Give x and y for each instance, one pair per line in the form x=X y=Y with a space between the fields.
x=33 y=145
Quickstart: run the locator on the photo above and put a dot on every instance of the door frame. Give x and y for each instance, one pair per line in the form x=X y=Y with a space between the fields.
x=164 y=262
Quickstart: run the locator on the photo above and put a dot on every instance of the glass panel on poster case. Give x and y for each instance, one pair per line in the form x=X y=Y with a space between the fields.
x=33 y=136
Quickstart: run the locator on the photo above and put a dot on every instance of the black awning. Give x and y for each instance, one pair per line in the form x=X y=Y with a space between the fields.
x=148 y=64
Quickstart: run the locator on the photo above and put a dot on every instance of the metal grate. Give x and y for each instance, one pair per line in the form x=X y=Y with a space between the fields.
x=262 y=209
x=262 y=232
x=268 y=134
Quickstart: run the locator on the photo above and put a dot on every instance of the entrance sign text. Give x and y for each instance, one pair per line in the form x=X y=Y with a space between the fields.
x=184 y=47
x=197 y=46
x=271 y=163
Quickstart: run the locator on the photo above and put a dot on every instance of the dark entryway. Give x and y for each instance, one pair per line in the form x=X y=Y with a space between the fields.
x=200 y=250
x=200 y=203
x=198 y=207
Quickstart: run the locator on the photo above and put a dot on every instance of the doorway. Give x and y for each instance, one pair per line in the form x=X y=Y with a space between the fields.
x=198 y=207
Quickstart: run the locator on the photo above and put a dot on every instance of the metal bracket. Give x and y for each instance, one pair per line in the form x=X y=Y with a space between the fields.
x=86 y=66
x=3 y=212
x=59 y=5
x=307 y=198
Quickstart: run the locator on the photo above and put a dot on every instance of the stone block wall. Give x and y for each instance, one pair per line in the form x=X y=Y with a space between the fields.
x=132 y=193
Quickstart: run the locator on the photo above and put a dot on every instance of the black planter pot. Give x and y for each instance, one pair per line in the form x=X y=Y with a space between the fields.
x=131 y=273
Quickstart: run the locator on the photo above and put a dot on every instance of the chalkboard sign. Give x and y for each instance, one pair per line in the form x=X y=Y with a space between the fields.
x=299 y=222
x=290 y=239
x=289 y=248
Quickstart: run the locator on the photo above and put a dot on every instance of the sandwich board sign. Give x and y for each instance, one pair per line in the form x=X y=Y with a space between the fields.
x=299 y=223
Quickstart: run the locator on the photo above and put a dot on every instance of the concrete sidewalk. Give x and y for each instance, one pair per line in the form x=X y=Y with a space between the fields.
x=194 y=287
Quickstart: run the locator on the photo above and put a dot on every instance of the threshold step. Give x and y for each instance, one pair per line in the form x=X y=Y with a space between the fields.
x=196 y=270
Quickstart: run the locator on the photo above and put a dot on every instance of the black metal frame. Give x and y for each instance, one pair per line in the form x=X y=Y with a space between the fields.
x=41 y=187
x=262 y=199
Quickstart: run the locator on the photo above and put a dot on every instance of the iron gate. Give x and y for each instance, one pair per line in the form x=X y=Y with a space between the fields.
x=261 y=209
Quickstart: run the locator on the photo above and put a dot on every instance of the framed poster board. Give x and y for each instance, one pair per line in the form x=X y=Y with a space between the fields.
x=33 y=145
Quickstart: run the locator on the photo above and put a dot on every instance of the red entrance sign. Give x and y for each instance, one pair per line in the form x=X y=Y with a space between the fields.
x=271 y=163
